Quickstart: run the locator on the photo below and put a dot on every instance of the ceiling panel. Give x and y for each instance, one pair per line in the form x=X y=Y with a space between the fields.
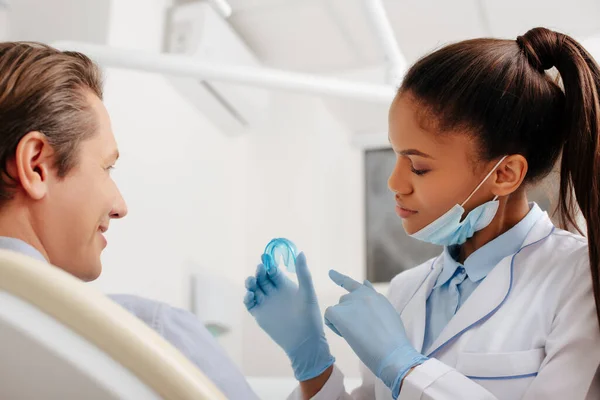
x=350 y=16
x=423 y=25
x=330 y=35
x=510 y=18
x=243 y=5
x=304 y=36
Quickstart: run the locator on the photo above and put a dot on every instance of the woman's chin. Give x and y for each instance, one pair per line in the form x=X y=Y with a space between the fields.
x=411 y=226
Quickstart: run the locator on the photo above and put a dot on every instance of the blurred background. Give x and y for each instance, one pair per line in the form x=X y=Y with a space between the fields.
x=286 y=137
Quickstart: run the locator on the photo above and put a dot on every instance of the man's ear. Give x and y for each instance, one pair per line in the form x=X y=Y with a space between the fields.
x=31 y=164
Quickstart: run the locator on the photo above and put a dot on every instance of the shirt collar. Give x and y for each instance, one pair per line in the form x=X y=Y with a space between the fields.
x=19 y=246
x=484 y=259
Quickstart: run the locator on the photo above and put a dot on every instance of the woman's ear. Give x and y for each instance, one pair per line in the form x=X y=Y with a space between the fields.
x=31 y=164
x=509 y=175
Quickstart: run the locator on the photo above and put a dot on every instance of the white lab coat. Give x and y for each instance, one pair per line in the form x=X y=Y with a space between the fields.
x=529 y=330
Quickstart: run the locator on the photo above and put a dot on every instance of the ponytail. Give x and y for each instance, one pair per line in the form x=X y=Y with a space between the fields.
x=580 y=165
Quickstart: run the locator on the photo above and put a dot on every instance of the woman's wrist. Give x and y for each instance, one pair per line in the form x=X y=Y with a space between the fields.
x=313 y=386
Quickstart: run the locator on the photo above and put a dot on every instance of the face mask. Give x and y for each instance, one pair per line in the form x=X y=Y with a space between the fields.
x=449 y=230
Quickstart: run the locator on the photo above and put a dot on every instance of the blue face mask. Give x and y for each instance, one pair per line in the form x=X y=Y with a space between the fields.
x=449 y=230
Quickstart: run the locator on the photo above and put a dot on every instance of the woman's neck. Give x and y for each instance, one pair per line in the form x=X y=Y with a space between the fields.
x=511 y=211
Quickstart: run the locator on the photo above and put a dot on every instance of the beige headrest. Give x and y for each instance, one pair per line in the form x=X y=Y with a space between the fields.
x=102 y=322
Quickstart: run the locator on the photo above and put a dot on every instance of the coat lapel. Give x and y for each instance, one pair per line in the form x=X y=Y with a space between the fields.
x=490 y=294
x=413 y=314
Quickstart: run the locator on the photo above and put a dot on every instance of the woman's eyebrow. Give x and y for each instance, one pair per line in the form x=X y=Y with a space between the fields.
x=411 y=152
x=414 y=152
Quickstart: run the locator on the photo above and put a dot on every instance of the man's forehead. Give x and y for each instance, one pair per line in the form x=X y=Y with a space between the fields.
x=104 y=135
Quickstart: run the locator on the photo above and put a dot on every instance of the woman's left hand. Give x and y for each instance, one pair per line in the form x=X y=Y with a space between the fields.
x=374 y=330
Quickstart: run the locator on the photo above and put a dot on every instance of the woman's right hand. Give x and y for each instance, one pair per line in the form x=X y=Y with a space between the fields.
x=290 y=315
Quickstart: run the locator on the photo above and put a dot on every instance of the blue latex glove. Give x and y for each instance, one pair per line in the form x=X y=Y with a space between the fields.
x=290 y=315
x=374 y=330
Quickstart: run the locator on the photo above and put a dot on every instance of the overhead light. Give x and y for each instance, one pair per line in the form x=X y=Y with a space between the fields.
x=383 y=29
x=182 y=65
x=222 y=6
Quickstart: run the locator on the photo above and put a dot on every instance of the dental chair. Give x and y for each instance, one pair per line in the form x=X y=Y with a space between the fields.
x=62 y=339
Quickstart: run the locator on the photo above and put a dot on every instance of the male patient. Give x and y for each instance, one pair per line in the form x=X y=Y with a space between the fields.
x=56 y=194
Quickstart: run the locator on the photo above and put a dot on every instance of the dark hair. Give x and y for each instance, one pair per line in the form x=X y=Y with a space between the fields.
x=498 y=91
x=44 y=89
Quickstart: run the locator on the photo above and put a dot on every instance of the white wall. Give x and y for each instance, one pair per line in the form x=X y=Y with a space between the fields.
x=51 y=20
x=4 y=21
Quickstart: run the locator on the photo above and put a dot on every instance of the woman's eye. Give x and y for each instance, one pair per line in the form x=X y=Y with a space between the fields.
x=419 y=171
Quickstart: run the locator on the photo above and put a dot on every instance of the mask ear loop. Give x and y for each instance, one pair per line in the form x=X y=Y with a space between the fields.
x=483 y=181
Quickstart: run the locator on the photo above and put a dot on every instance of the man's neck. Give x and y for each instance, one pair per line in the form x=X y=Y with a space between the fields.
x=16 y=223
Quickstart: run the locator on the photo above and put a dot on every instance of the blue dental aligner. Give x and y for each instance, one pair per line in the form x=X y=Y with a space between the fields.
x=281 y=248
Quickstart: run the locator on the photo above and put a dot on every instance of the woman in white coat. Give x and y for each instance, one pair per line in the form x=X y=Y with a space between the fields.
x=509 y=310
